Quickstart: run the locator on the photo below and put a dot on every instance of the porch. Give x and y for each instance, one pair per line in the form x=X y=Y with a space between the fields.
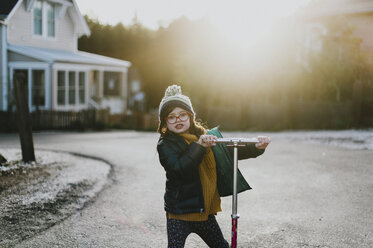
x=68 y=81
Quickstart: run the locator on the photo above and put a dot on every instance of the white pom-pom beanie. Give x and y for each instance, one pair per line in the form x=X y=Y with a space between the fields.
x=174 y=98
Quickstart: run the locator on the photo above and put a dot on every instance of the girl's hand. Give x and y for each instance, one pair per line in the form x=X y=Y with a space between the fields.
x=263 y=142
x=207 y=140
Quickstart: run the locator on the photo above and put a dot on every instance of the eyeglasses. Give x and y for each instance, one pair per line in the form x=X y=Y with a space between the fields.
x=183 y=116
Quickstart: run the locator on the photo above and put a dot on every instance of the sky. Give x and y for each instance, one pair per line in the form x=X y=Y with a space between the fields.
x=230 y=16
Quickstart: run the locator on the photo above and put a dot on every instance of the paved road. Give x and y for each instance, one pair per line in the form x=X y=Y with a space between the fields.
x=305 y=195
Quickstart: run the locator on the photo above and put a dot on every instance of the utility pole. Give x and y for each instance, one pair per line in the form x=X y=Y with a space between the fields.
x=23 y=117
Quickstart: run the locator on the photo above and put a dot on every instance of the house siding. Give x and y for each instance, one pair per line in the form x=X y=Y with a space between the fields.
x=20 y=31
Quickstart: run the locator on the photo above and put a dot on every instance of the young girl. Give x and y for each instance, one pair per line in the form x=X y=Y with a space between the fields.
x=192 y=197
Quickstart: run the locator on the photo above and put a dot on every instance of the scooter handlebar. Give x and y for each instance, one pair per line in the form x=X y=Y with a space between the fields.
x=238 y=141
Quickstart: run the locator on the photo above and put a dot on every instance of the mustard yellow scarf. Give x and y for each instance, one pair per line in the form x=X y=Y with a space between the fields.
x=207 y=173
x=208 y=159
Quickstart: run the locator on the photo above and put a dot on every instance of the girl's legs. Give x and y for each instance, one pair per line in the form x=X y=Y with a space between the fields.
x=210 y=232
x=177 y=232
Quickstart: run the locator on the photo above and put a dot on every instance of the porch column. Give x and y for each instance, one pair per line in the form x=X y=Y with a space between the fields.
x=53 y=88
x=3 y=69
x=124 y=92
x=100 y=90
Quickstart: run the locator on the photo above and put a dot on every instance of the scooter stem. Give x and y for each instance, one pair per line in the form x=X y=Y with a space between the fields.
x=235 y=216
x=235 y=142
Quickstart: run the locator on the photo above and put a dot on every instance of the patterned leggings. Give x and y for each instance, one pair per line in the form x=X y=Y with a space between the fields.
x=209 y=231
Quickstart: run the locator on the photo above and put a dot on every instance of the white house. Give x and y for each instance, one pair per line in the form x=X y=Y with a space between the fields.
x=359 y=14
x=40 y=37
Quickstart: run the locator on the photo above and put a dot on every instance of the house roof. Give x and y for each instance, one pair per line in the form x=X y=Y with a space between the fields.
x=6 y=7
x=78 y=57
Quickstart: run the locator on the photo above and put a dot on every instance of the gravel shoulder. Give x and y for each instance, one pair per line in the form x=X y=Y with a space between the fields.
x=36 y=196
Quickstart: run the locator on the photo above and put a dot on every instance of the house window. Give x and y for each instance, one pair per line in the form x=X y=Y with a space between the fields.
x=50 y=19
x=44 y=19
x=81 y=87
x=111 y=84
x=38 y=88
x=71 y=88
x=61 y=85
x=38 y=18
x=35 y=82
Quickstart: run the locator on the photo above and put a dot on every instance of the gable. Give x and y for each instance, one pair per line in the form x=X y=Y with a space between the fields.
x=29 y=24
x=64 y=7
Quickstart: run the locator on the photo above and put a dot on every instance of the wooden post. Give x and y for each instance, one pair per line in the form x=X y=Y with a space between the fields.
x=2 y=159
x=23 y=117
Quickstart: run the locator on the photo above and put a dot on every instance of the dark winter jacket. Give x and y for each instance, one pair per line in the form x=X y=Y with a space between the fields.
x=180 y=161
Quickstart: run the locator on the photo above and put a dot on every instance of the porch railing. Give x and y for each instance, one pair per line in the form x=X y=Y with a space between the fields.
x=46 y=119
x=85 y=119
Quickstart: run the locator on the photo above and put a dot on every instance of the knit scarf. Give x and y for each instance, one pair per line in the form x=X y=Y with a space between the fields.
x=208 y=159
x=207 y=174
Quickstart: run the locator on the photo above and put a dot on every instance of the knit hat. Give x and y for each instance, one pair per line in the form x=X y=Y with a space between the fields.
x=174 y=98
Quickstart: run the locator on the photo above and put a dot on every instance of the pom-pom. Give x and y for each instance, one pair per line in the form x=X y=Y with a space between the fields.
x=173 y=90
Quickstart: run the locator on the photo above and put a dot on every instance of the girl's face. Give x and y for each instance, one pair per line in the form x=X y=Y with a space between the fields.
x=178 y=120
